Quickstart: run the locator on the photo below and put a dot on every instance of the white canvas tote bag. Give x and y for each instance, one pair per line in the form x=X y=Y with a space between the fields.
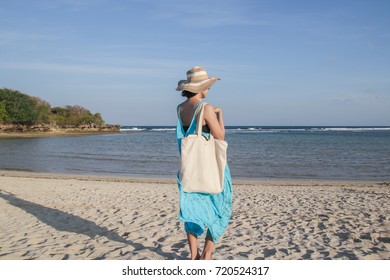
x=202 y=161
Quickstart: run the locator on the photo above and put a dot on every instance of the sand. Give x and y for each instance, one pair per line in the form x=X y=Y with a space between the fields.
x=51 y=216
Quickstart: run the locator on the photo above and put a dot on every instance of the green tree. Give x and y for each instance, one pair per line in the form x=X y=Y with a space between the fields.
x=19 y=107
x=99 y=120
x=3 y=112
x=75 y=115
x=43 y=111
x=59 y=115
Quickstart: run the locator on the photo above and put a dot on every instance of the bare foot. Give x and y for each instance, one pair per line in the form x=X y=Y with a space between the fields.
x=196 y=258
x=206 y=256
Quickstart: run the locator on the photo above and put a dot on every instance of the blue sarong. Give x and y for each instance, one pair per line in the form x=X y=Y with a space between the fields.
x=198 y=210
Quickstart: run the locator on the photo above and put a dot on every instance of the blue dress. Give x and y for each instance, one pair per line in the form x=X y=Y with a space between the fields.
x=198 y=210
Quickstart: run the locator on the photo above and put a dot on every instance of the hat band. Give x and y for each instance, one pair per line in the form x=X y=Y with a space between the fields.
x=199 y=73
x=198 y=83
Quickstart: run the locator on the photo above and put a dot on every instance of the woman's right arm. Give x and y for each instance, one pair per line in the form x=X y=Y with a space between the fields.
x=214 y=119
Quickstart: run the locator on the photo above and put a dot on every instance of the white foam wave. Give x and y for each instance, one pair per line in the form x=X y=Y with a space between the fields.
x=304 y=129
x=132 y=129
x=353 y=129
x=264 y=130
x=163 y=129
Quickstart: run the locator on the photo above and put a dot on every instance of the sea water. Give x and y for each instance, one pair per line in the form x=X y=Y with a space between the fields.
x=337 y=153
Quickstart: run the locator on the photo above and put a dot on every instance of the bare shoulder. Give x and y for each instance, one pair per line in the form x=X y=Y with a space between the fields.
x=209 y=113
x=208 y=108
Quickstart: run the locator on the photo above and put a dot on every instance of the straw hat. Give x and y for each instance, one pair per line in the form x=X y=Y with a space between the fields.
x=197 y=80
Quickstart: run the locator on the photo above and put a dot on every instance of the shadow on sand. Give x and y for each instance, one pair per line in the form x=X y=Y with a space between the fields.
x=63 y=221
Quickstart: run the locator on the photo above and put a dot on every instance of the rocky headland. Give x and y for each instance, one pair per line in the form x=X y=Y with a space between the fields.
x=22 y=115
x=42 y=130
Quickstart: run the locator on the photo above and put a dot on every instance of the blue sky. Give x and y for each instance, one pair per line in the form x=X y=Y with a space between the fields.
x=280 y=62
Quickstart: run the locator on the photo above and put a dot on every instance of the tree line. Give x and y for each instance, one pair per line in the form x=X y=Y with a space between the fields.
x=20 y=108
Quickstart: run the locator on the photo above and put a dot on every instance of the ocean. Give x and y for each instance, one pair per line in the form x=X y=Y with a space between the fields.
x=255 y=152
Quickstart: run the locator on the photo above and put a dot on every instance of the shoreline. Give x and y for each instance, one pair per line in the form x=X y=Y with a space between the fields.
x=53 y=130
x=172 y=180
x=22 y=135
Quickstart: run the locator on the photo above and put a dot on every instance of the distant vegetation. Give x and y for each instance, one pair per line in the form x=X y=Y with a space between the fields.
x=19 y=108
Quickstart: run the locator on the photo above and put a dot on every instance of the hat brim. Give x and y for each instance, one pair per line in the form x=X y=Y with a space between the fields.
x=196 y=87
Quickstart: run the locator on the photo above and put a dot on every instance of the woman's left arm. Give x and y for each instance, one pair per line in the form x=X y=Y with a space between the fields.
x=214 y=119
x=218 y=113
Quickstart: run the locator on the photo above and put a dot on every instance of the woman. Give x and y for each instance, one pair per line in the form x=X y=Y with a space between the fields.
x=199 y=211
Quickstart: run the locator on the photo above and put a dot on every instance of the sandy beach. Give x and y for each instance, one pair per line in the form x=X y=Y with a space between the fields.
x=50 y=216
